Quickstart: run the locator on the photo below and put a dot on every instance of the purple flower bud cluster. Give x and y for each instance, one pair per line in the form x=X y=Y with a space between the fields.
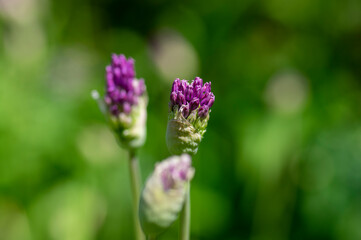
x=175 y=170
x=122 y=88
x=192 y=96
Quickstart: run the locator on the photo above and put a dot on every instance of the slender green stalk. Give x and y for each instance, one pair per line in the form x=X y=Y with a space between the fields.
x=151 y=238
x=185 y=216
x=135 y=181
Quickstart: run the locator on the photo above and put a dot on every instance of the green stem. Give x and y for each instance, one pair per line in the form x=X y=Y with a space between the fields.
x=185 y=216
x=135 y=181
x=151 y=238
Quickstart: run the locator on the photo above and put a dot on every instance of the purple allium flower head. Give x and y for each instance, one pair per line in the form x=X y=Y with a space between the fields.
x=125 y=102
x=122 y=88
x=192 y=96
x=190 y=105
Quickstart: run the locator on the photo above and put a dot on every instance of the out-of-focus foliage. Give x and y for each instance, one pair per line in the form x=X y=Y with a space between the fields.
x=281 y=158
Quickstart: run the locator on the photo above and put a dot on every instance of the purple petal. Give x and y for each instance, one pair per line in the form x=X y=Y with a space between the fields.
x=127 y=108
x=180 y=99
x=206 y=89
x=185 y=111
x=189 y=93
x=115 y=60
x=198 y=82
x=122 y=95
x=204 y=96
x=206 y=99
x=130 y=97
x=141 y=86
x=183 y=86
x=110 y=85
x=122 y=60
x=109 y=76
x=173 y=98
x=130 y=65
x=211 y=100
x=197 y=91
x=140 y=89
x=114 y=95
x=203 y=111
x=175 y=86
x=208 y=86
x=194 y=104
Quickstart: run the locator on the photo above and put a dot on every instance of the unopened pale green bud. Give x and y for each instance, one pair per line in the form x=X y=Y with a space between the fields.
x=163 y=196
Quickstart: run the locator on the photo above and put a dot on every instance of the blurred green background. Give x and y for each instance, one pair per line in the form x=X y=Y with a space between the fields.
x=281 y=158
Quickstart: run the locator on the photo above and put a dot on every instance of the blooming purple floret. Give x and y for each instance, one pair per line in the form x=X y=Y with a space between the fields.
x=122 y=88
x=192 y=96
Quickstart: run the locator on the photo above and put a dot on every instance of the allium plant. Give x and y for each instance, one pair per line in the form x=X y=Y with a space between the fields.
x=189 y=108
x=124 y=106
x=164 y=194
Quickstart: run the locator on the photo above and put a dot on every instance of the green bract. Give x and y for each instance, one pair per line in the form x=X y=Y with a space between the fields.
x=184 y=135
